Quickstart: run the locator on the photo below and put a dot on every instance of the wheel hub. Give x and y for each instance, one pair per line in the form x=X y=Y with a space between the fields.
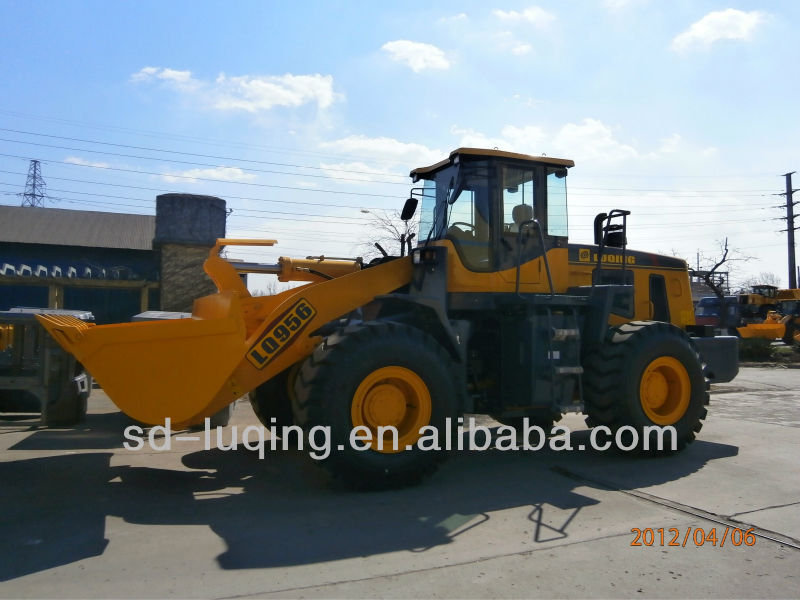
x=656 y=389
x=384 y=405
x=665 y=390
x=392 y=397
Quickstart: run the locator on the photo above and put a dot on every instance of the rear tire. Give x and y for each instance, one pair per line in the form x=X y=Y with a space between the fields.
x=379 y=374
x=646 y=373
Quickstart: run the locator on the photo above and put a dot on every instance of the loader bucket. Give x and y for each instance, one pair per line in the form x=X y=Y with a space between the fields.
x=769 y=331
x=188 y=369
x=157 y=369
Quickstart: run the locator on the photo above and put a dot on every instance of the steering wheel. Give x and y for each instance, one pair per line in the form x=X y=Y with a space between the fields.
x=470 y=225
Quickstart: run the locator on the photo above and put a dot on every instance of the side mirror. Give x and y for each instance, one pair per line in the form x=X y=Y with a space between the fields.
x=409 y=208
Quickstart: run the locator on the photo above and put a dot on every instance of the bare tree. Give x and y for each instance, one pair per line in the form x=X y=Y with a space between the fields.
x=389 y=230
x=763 y=278
x=717 y=280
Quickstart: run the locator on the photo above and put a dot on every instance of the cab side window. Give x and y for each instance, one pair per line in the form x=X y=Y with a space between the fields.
x=517 y=198
x=519 y=189
x=468 y=221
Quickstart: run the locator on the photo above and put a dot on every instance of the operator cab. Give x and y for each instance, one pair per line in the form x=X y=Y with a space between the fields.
x=488 y=203
x=768 y=291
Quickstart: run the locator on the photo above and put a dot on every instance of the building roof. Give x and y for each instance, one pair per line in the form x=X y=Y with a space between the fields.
x=57 y=226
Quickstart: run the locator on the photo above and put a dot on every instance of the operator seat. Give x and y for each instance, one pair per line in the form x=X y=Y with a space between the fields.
x=520 y=213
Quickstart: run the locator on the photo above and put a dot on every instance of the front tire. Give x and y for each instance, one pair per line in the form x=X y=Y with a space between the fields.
x=646 y=374
x=379 y=374
x=273 y=399
x=792 y=335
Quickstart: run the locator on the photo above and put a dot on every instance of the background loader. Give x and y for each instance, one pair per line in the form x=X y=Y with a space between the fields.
x=493 y=312
x=781 y=322
x=755 y=306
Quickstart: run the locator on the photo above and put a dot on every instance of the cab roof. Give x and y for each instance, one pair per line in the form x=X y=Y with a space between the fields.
x=493 y=153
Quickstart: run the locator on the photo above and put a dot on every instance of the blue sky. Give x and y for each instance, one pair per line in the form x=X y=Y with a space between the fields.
x=303 y=115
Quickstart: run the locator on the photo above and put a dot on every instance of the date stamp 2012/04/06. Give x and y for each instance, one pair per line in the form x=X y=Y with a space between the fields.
x=696 y=536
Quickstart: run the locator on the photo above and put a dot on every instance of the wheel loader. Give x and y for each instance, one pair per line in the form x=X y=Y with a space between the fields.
x=755 y=306
x=781 y=323
x=492 y=312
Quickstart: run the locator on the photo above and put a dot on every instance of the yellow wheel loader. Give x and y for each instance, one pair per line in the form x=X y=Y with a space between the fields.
x=755 y=306
x=782 y=323
x=493 y=311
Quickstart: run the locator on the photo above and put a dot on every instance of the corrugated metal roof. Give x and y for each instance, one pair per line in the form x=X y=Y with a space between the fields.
x=34 y=225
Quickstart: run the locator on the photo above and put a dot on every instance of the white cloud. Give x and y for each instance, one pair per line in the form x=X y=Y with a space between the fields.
x=534 y=14
x=180 y=79
x=74 y=160
x=469 y=138
x=506 y=41
x=358 y=171
x=520 y=48
x=386 y=150
x=222 y=173
x=617 y=5
x=592 y=140
x=526 y=140
x=454 y=18
x=145 y=74
x=589 y=140
x=416 y=55
x=530 y=138
x=729 y=24
x=254 y=94
x=670 y=144
x=250 y=93
x=528 y=101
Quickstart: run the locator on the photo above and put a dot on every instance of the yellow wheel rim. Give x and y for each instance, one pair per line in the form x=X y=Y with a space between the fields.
x=665 y=391
x=396 y=397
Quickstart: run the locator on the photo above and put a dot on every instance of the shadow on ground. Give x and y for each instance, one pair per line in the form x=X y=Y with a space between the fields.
x=286 y=511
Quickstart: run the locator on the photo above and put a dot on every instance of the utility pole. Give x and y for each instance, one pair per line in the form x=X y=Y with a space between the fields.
x=790 y=229
x=35 y=188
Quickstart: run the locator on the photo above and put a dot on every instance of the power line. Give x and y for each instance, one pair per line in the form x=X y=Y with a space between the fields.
x=194 y=178
x=283 y=149
x=193 y=139
x=200 y=164
x=366 y=219
x=227 y=196
x=199 y=155
x=291 y=165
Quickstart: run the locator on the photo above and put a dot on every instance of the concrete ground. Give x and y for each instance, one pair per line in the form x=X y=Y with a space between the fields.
x=80 y=516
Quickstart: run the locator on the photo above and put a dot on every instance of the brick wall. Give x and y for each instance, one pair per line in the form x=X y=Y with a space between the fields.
x=182 y=276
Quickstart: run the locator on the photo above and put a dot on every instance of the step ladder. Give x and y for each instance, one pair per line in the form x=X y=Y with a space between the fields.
x=564 y=358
